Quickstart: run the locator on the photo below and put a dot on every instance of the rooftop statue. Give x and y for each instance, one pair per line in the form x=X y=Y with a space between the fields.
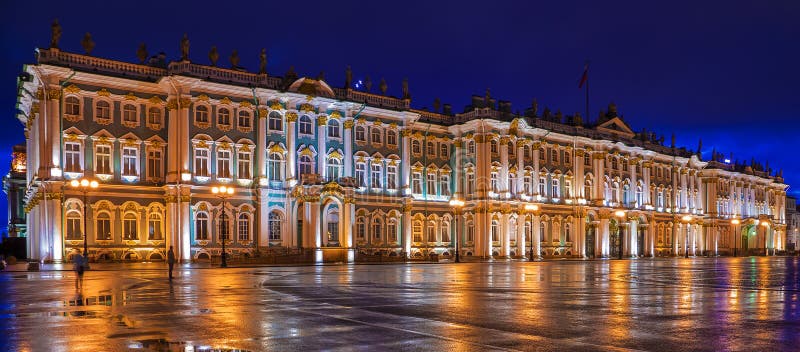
x=262 y=61
x=234 y=59
x=87 y=43
x=213 y=55
x=405 y=89
x=185 y=47
x=56 y=34
x=141 y=53
x=383 y=86
x=348 y=77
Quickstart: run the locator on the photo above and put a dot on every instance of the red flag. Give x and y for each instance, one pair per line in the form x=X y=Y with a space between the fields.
x=585 y=76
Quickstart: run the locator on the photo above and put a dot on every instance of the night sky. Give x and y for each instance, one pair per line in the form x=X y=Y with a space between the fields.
x=723 y=71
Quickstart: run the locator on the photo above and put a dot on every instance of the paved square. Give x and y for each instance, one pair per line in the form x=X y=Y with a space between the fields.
x=703 y=304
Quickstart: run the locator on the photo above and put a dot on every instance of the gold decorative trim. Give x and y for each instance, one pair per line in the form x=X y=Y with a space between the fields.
x=185 y=102
x=291 y=116
x=245 y=104
x=104 y=93
x=225 y=101
x=131 y=96
x=203 y=97
x=349 y=124
x=72 y=89
x=172 y=104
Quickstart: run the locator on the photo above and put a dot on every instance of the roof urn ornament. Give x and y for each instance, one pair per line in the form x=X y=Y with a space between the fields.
x=367 y=84
x=262 y=61
x=87 y=43
x=185 y=47
x=55 y=37
x=406 y=95
x=348 y=77
x=141 y=53
x=321 y=76
x=383 y=87
x=213 y=55
x=234 y=59
x=535 y=107
x=436 y=104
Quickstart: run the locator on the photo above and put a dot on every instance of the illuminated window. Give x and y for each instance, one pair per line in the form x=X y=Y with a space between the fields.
x=154 y=164
x=154 y=227
x=130 y=158
x=129 y=231
x=74 y=225
x=275 y=121
x=243 y=227
x=306 y=125
x=274 y=225
x=223 y=163
x=72 y=162
x=103 y=226
x=333 y=128
x=243 y=165
x=201 y=162
x=103 y=159
x=201 y=226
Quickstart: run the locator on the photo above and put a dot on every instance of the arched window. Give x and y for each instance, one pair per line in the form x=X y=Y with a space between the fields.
x=391 y=138
x=377 y=228
x=103 y=226
x=334 y=168
x=361 y=228
x=129 y=114
x=129 y=227
x=243 y=227
x=223 y=163
x=512 y=228
x=201 y=114
x=639 y=193
x=615 y=192
x=626 y=193
x=556 y=190
x=430 y=232
x=416 y=231
x=542 y=232
x=154 y=117
x=224 y=117
x=444 y=229
x=587 y=189
x=391 y=230
x=444 y=151
x=333 y=128
x=494 y=146
x=154 y=227
x=361 y=134
x=245 y=122
x=306 y=165
x=528 y=229
x=223 y=227
x=201 y=226
x=361 y=174
x=470 y=231
x=274 y=226
x=431 y=149
x=72 y=106
x=376 y=135
x=306 y=125
x=567 y=232
x=494 y=181
x=74 y=225
x=542 y=154
x=103 y=110
x=495 y=230
x=275 y=121
x=542 y=186
x=416 y=147
x=471 y=147
x=275 y=166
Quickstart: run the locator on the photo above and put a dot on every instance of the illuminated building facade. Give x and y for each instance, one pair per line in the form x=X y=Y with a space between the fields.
x=333 y=171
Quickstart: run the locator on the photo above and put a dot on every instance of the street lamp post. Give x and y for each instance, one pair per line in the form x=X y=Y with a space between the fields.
x=457 y=204
x=223 y=193
x=620 y=214
x=530 y=208
x=84 y=185
x=735 y=223
x=686 y=219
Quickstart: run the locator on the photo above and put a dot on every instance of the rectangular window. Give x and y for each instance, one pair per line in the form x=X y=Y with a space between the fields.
x=567 y=189
x=431 y=184
x=154 y=164
x=542 y=191
x=444 y=185
x=567 y=158
x=554 y=156
x=391 y=138
x=431 y=149
x=391 y=177
x=103 y=160
x=392 y=231
x=416 y=183
x=556 y=192
x=377 y=135
x=361 y=134
x=129 y=158
x=201 y=162
x=587 y=160
x=470 y=188
x=73 y=157
x=470 y=148
x=243 y=165
x=223 y=164
x=361 y=174
x=375 y=176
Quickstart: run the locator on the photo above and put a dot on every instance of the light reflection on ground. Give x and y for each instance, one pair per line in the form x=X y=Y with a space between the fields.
x=648 y=304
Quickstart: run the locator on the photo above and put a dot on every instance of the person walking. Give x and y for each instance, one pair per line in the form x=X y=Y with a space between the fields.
x=78 y=264
x=170 y=261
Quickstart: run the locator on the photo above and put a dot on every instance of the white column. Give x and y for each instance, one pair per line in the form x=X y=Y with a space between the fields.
x=537 y=236
x=183 y=135
x=185 y=250
x=503 y=175
x=173 y=167
x=535 y=176
x=506 y=235
x=291 y=141
x=54 y=128
x=322 y=152
x=522 y=222
x=603 y=235
x=633 y=248
x=406 y=165
x=520 y=168
x=263 y=218
x=348 y=148
x=261 y=144
x=646 y=190
x=406 y=222
x=458 y=173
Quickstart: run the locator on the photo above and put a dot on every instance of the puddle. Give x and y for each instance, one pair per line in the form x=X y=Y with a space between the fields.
x=198 y=311
x=163 y=345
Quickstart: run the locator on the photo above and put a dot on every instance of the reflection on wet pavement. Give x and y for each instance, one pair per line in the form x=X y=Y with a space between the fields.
x=704 y=304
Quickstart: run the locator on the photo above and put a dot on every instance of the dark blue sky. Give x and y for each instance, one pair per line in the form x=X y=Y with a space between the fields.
x=723 y=71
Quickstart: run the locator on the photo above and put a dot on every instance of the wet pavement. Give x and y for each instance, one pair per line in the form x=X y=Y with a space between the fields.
x=675 y=304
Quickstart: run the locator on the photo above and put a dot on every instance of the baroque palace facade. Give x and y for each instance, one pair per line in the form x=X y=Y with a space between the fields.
x=338 y=169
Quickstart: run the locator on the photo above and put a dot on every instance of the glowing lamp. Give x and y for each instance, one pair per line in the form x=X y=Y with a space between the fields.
x=620 y=213
x=686 y=218
x=735 y=221
x=531 y=207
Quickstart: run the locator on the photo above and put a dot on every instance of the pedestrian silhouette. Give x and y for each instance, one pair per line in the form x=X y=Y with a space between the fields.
x=79 y=265
x=170 y=260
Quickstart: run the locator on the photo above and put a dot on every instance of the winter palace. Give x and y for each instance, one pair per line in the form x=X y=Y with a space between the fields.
x=337 y=172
